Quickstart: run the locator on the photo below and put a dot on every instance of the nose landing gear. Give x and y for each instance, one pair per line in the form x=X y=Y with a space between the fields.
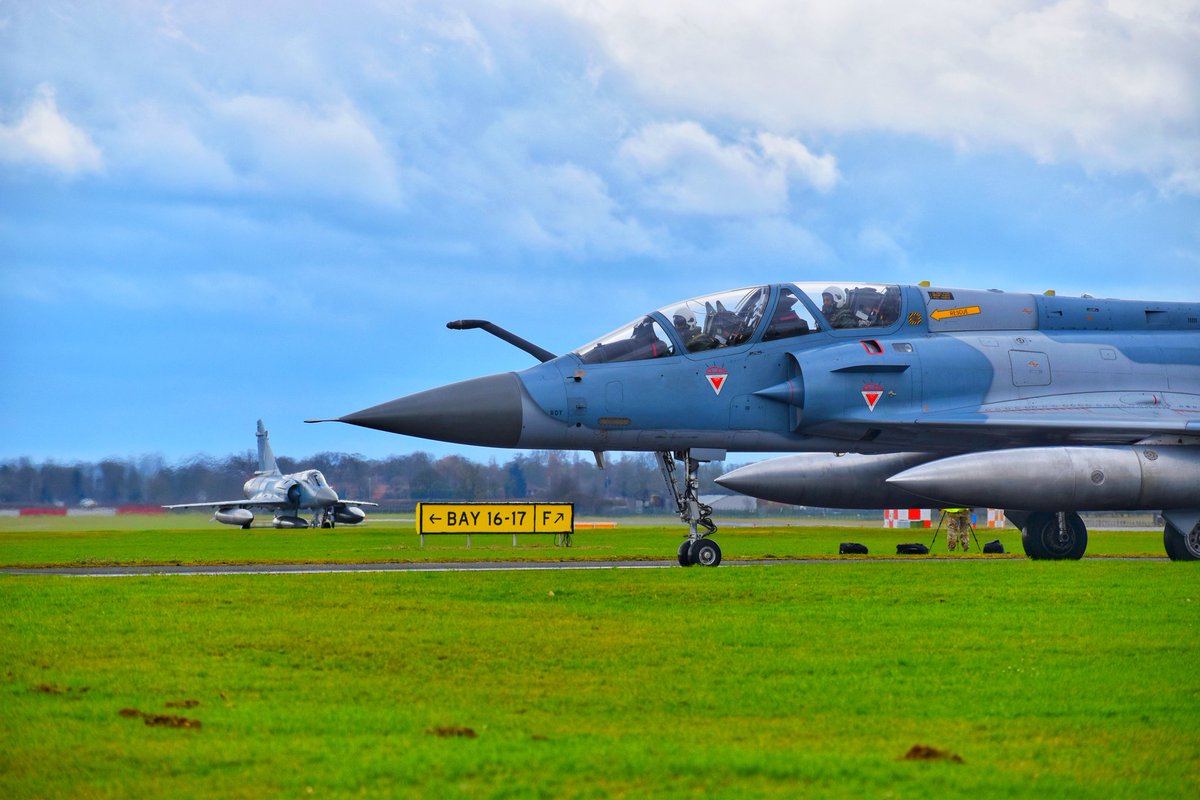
x=697 y=548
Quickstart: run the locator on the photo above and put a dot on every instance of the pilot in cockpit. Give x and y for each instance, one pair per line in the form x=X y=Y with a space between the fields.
x=868 y=309
x=685 y=324
x=836 y=308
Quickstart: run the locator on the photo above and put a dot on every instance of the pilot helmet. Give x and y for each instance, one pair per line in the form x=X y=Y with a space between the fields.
x=837 y=294
x=683 y=319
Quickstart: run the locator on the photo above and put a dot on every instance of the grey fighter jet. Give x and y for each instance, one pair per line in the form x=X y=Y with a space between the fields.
x=272 y=490
x=888 y=396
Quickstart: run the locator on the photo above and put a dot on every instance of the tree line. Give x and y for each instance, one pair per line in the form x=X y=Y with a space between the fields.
x=630 y=482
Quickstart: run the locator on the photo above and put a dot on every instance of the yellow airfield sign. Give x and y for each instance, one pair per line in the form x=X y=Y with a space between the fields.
x=495 y=518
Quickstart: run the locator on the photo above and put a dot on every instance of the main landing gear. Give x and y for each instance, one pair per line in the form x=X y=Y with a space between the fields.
x=1054 y=535
x=697 y=548
x=1181 y=535
x=1062 y=535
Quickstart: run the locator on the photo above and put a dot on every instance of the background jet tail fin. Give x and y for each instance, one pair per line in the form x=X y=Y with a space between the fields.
x=266 y=458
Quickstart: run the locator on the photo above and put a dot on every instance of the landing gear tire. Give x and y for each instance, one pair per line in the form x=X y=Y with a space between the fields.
x=1181 y=546
x=685 y=550
x=1046 y=537
x=705 y=553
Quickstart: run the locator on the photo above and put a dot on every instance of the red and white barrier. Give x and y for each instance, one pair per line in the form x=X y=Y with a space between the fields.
x=928 y=517
x=908 y=518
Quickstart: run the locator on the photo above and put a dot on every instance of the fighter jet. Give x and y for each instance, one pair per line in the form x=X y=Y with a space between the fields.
x=272 y=490
x=889 y=396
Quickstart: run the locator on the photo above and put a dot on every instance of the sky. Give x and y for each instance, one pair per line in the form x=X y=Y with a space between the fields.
x=216 y=212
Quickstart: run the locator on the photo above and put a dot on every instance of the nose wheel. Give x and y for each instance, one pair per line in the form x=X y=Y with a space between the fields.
x=702 y=552
x=705 y=553
x=697 y=548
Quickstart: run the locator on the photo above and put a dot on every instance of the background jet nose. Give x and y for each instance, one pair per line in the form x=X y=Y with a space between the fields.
x=482 y=411
x=325 y=496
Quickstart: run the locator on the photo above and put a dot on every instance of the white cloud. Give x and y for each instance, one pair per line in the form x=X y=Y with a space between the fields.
x=44 y=136
x=820 y=172
x=688 y=170
x=458 y=28
x=1183 y=181
x=770 y=239
x=256 y=146
x=568 y=208
x=170 y=28
x=1113 y=86
x=110 y=287
x=876 y=242
x=160 y=144
x=282 y=145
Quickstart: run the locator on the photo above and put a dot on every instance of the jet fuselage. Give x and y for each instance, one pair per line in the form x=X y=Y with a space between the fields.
x=886 y=395
x=954 y=370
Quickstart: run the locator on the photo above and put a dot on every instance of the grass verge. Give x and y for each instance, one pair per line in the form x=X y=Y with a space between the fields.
x=192 y=539
x=1044 y=679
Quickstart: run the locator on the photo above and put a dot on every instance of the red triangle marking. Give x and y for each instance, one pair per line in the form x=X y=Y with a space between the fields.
x=872 y=398
x=717 y=382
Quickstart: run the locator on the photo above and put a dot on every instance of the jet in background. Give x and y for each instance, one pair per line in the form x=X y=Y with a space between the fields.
x=272 y=490
x=890 y=396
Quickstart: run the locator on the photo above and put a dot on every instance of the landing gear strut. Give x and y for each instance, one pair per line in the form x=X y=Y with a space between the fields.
x=697 y=548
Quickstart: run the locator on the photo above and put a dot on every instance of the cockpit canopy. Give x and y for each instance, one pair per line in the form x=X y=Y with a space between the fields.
x=732 y=318
x=314 y=478
x=702 y=323
x=718 y=320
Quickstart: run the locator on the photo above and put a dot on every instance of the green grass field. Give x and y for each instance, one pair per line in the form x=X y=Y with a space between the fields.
x=1044 y=679
x=192 y=539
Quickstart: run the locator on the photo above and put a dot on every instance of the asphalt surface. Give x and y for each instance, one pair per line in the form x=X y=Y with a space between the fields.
x=303 y=569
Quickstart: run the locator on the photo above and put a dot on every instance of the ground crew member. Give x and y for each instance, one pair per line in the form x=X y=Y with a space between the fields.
x=958 y=527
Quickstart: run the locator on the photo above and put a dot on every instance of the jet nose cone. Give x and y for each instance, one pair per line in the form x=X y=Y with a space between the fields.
x=325 y=496
x=728 y=480
x=751 y=479
x=482 y=411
